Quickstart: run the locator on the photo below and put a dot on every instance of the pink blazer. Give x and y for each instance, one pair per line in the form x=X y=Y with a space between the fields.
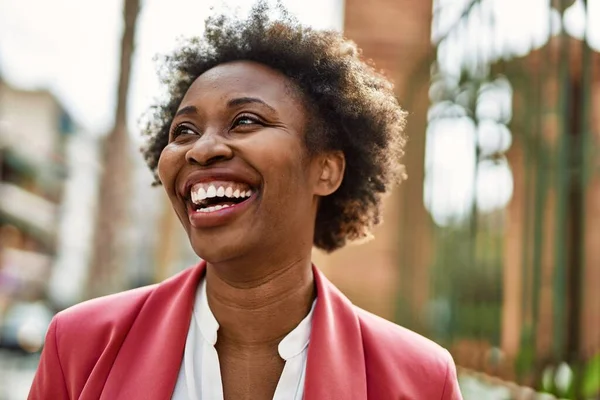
x=130 y=346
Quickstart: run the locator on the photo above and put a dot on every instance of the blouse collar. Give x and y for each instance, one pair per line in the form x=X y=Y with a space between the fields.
x=290 y=346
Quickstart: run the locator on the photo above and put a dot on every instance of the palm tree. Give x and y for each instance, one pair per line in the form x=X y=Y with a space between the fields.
x=110 y=244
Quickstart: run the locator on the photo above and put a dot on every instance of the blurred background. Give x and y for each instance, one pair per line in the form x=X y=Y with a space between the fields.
x=491 y=247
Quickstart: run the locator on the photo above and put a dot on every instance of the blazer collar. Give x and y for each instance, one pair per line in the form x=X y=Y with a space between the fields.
x=335 y=368
x=148 y=363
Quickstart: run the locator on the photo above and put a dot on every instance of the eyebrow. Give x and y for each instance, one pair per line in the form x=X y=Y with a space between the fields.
x=188 y=110
x=248 y=100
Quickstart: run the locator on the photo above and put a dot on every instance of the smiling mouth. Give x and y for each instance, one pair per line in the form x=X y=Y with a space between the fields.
x=208 y=197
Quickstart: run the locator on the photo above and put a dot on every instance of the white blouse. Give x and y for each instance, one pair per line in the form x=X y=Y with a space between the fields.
x=200 y=374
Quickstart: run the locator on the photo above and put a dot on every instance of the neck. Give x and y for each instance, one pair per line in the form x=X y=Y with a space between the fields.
x=261 y=310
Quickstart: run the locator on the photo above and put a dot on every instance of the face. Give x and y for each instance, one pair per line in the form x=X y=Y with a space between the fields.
x=236 y=169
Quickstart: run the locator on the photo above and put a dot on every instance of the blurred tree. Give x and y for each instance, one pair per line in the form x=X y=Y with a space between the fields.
x=110 y=243
x=543 y=311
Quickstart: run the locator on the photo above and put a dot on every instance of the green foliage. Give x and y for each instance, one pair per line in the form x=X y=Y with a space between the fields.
x=561 y=380
x=478 y=320
x=525 y=359
x=548 y=379
x=467 y=279
x=591 y=378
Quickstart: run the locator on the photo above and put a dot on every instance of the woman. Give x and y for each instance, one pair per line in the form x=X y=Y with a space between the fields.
x=274 y=138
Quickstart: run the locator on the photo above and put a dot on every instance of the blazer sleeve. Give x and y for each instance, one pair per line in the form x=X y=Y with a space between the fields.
x=49 y=382
x=451 y=389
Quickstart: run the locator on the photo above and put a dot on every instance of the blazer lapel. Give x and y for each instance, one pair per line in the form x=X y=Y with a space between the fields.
x=148 y=363
x=335 y=368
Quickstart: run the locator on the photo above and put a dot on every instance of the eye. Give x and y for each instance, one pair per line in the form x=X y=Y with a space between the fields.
x=181 y=129
x=245 y=120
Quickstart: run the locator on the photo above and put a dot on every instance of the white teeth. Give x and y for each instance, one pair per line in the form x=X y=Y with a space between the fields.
x=211 y=192
x=198 y=194
x=214 y=208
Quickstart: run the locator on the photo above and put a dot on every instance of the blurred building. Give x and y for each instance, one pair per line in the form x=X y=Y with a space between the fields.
x=551 y=256
x=67 y=285
x=33 y=130
x=510 y=291
x=397 y=37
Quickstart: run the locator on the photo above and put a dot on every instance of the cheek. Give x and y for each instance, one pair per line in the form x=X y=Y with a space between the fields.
x=287 y=174
x=168 y=165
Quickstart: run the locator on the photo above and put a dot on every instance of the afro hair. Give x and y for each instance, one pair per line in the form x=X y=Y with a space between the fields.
x=356 y=111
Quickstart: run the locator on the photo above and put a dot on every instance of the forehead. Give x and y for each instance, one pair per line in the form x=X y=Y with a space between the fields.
x=242 y=79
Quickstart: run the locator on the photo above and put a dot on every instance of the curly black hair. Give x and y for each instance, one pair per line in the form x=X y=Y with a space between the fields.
x=356 y=109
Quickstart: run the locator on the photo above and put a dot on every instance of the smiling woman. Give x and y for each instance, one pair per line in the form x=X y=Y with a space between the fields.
x=274 y=138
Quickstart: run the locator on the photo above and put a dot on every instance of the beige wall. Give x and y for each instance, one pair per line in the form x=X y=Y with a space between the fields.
x=396 y=36
x=591 y=278
x=513 y=314
x=30 y=121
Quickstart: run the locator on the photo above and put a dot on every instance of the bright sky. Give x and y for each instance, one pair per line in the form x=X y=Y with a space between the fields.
x=451 y=183
x=72 y=47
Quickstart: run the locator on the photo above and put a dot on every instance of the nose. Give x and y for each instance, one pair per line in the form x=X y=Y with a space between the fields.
x=208 y=149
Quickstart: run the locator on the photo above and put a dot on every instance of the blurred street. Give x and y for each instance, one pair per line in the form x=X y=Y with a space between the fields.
x=16 y=374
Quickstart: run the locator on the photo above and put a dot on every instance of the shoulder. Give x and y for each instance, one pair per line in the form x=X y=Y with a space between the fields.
x=400 y=340
x=92 y=324
x=84 y=341
x=121 y=309
x=95 y=322
x=108 y=310
x=394 y=351
x=105 y=321
x=85 y=338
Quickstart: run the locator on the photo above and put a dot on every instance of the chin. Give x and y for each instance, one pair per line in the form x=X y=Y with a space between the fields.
x=215 y=250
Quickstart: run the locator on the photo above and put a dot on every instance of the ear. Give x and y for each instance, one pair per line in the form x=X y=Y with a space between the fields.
x=331 y=172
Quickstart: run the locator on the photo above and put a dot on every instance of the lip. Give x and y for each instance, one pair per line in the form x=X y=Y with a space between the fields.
x=199 y=219
x=214 y=174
